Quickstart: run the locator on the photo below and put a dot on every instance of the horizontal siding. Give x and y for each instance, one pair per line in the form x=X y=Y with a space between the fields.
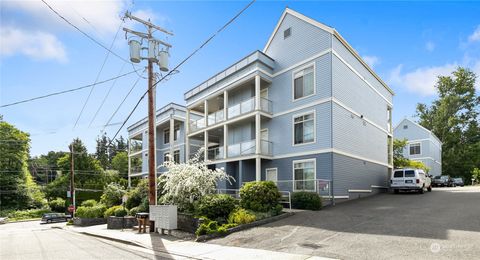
x=351 y=173
x=360 y=68
x=281 y=130
x=412 y=132
x=305 y=41
x=353 y=135
x=353 y=92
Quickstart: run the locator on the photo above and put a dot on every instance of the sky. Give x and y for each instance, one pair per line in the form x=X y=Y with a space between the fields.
x=407 y=43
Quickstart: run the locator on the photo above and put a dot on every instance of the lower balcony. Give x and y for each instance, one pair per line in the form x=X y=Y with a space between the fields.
x=240 y=149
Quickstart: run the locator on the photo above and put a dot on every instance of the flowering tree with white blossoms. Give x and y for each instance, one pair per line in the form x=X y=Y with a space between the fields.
x=184 y=183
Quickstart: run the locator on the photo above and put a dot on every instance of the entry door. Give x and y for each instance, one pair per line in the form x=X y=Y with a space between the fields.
x=264 y=143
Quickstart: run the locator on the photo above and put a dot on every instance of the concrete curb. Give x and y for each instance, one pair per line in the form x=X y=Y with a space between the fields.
x=204 y=238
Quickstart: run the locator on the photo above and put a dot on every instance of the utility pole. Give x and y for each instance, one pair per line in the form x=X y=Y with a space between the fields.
x=154 y=56
x=72 y=180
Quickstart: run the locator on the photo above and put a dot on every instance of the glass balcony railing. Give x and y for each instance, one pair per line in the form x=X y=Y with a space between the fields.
x=216 y=117
x=266 y=147
x=215 y=153
x=136 y=169
x=249 y=147
x=135 y=146
x=197 y=124
x=266 y=105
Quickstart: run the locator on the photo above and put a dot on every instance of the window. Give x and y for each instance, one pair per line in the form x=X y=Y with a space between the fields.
x=176 y=156
x=271 y=174
x=166 y=136
x=304 y=175
x=304 y=129
x=415 y=149
x=409 y=174
x=389 y=119
x=287 y=33
x=166 y=157
x=176 y=132
x=405 y=126
x=398 y=174
x=303 y=83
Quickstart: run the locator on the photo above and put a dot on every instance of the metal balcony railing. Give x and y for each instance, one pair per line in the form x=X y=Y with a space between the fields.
x=215 y=153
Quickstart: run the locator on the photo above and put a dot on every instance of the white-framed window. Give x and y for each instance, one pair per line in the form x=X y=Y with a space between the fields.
x=304 y=82
x=415 y=149
x=304 y=172
x=304 y=128
x=176 y=132
x=166 y=136
x=271 y=174
x=287 y=32
x=166 y=156
x=176 y=156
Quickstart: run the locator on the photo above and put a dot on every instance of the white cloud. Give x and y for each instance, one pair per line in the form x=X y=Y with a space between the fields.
x=422 y=80
x=475 y=36
x=430 y=46
x=37 y=45
x=371 y=60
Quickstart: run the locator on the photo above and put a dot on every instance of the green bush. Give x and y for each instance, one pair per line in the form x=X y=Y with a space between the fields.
x=133 y=211
x=111 y=211
x=23 y=214
x=112 y=194
x=216 y=206
x=96 y=211
x=137 y=195
x=306 y=200
x=261 y=196
x=209 y=227
x=241 y=216
x=121 y=212
x=89 y=203
x=57 y=205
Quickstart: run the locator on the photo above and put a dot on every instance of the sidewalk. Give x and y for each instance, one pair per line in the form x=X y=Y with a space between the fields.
x=181 y=249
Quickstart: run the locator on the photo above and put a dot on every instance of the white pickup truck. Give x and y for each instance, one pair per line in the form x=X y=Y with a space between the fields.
x=410 y=179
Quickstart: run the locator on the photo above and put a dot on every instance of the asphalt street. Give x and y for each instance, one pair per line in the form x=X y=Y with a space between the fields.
x=30 y=240
x=443 y=224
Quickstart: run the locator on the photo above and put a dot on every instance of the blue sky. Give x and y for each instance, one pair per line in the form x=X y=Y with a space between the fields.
x=407 y=44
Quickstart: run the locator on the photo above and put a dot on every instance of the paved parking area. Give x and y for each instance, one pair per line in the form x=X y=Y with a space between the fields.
x=443 y=224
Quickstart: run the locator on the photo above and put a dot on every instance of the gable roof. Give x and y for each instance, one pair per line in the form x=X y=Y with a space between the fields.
x=418 y=125
x=330 y=30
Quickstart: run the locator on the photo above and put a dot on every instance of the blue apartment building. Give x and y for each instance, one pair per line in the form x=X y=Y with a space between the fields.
x=422 y=145
x=303 y=111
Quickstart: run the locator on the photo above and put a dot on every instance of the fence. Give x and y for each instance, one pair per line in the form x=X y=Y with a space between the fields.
x=322 y=187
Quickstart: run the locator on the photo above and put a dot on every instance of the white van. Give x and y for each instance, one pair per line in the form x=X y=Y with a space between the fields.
x=410 y=179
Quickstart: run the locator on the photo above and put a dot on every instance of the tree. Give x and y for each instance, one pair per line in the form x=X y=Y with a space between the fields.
x=102 y=151
x=454 y=118
x=18 y=190
x=398 y=159
x=184 y=183
x=120 y=163
x=112 y=195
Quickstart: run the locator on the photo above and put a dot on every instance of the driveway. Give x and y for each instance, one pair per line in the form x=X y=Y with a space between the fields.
x=443 y=224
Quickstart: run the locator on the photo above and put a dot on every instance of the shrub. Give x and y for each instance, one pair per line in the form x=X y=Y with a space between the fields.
x=57 y=205
x=241 y=216
x=121 y=212
x=23 y=214
x=259 y=196
x=216 y=206
x=133 y=211
x=89 y=203
x=112 y=194
x=209 y=227
x=96 y=211
x=111 y=211
x=306 y=200
x=137 y=195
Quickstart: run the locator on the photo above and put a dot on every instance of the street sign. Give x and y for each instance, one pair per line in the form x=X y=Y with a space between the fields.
x=71 y=208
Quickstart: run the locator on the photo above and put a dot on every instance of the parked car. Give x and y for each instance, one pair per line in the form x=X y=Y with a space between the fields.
x=410 y=179
x=458 y=182
x=54 y=217
x=443 y=181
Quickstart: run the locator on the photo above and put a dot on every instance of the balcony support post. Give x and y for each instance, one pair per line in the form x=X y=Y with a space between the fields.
x=257 y=92
x=129 y=163
x=205 y=140
x=171 y=137
x=225 y=141
x=205 y=106
x=258 y=168
x=187 y=139
x=225 y=105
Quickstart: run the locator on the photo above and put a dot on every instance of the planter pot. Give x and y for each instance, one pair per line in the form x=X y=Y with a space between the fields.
x=85 y=222
x=121 y=222
x=187 y=222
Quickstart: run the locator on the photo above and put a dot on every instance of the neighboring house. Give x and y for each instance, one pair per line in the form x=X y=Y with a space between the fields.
x=422 y=145
x=170 y=138
x=306 y=108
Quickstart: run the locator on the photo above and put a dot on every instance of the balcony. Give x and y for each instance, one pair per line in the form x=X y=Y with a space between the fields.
x=215 y=153
x=135 y=170
x=135 y=146
x=216 y=117
x=249 y=148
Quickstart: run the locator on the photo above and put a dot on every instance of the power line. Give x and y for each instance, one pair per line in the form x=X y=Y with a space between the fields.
x=98 y=76
x=105 y=97
x=84 y=33
x=182 y=62
x=67 y=91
